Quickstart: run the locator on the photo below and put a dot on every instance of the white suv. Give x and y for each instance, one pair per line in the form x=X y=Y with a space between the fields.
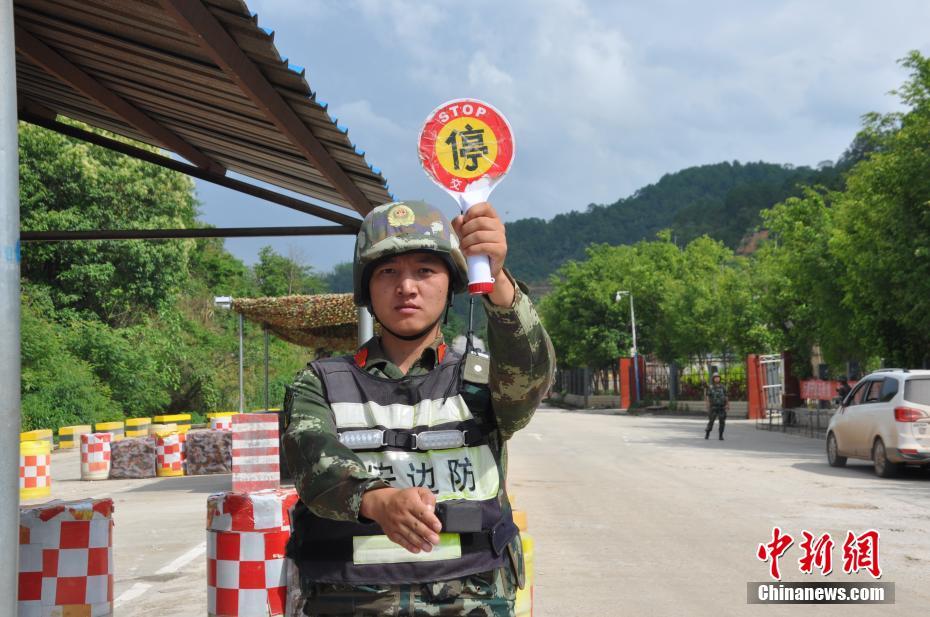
x=885 y=419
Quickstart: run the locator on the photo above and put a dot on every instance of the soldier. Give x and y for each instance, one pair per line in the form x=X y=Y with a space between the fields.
x=843 y=389
x=717 y=406
x=399 y=452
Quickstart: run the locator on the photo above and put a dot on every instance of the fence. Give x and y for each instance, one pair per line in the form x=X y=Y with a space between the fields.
x=688 y=380
x=586 y=381
x=661 y=381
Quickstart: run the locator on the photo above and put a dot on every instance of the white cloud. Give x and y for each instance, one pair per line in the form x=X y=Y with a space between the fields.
x=482 y=72
x=361 y=117
x=603 y=96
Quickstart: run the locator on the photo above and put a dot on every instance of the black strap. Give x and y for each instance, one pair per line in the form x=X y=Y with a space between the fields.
x=405 y=440
x=495 y=540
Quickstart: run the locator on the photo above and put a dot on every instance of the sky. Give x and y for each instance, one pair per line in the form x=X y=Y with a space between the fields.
x=603 y=97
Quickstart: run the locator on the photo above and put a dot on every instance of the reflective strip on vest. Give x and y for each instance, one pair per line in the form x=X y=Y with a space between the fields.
x=399 y=416
x=372 y=439
x=366 y=439
x=440 y=440
x=457 y=473
x=380 y=549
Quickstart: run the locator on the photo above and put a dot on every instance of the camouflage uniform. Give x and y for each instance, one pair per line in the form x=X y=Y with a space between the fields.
x=717 y=395
x=330 y=478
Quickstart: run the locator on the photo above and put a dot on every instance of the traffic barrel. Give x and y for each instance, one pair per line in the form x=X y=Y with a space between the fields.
x=116 y=429
x=523 y=606
x=70 y=436
x=95 y=456
x=256 y=450
x=247 y=571
x=66 y=559
x=222 y=422
x=42 y=434
x=35 y=469
x=169 y=461
x=138 y=427
x=183 y=420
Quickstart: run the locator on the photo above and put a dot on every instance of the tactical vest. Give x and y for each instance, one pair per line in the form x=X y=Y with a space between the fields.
x=718 y=396
x=415 y=431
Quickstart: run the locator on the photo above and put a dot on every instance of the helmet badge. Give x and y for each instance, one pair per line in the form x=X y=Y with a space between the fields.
x=400 y=215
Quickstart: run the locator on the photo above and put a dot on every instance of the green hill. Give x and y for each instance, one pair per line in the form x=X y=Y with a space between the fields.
x=722 y=200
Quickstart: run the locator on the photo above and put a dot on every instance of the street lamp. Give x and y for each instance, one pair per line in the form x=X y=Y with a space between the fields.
x=619 y=295
x=225 y=303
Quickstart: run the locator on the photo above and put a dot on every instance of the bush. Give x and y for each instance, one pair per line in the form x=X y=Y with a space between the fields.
x=59 y=389
x=123 y=358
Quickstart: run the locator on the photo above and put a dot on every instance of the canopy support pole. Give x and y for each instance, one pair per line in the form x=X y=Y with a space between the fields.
x=10 y=362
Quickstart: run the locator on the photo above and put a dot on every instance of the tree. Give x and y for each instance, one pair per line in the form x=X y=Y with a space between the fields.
x=882 y=229
x=277 y=275
x=69 y=184
x=121 y=328
x=801 y=281
x=341 y=280
x=219 y=272
x=849 y=269
x=587 y=325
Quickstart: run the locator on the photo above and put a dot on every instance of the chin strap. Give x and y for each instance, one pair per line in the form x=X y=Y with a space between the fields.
x=456 y=386
x=445 y=320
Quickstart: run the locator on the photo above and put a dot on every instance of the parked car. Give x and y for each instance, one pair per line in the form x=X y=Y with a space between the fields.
x=885 y=419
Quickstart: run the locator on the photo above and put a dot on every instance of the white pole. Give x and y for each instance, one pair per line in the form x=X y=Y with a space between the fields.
x=10 y=363
x=266 y=369
x=241 y=384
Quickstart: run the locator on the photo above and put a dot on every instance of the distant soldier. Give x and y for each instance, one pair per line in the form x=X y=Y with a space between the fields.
x=717 y=405
x=843 y=389
x=406 y=439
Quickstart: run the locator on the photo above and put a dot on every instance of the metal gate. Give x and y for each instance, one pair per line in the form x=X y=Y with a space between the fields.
x=773 y=386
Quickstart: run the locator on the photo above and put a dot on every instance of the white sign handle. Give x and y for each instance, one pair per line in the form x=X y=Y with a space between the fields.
x=480 y=280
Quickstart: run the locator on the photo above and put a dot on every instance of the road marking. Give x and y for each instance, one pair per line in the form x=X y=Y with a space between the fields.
x=537 y=436
x=139 y=589
x=184 y=559
x=131 y=594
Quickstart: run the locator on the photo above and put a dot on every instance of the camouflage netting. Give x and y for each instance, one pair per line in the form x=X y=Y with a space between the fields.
x=133 y=458
x=208 y=451
x=323 y=322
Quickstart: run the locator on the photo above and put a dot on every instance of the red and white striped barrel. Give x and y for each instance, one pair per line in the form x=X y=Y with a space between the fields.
x=256 y=449
x=246 y=537
x=95 y=456
x=66 y=559
x=168 y=457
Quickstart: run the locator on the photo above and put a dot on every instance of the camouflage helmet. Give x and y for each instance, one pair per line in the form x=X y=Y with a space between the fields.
x=400 y=227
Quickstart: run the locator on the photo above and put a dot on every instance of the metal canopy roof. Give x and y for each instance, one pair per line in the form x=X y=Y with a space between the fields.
x=199 y=78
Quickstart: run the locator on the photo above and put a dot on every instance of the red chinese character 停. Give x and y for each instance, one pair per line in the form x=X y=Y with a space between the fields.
x=773 y=550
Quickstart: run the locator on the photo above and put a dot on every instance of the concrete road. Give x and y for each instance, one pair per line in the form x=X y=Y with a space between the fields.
x=630 y=515
x=637 y=515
